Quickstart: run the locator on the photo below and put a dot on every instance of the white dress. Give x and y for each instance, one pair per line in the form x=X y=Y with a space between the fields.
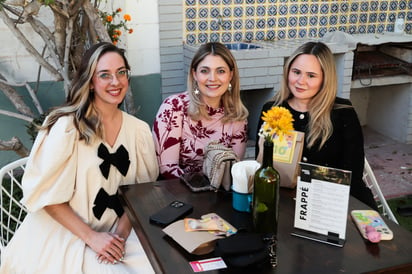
x=62 y=169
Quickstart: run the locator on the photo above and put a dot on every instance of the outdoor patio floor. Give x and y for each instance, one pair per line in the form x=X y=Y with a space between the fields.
x=391 y=162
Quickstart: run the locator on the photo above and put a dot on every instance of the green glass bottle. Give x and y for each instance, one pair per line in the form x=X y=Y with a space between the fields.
x=266 y=193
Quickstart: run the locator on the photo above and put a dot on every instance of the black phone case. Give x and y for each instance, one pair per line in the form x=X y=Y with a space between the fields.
x=174 y=211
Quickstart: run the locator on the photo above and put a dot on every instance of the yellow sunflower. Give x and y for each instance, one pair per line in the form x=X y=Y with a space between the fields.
x=277 y=120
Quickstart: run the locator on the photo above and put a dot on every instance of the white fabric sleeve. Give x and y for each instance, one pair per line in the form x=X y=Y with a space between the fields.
x=147 y=166
x=50 y=174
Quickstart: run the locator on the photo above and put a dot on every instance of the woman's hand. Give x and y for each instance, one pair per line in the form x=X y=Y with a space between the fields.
x=109 y=247
x=122 y=232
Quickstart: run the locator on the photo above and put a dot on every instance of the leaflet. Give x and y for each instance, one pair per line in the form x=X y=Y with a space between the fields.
x=322 y=200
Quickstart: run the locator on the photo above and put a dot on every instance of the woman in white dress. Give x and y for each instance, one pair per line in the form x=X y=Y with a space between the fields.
x=83 y=152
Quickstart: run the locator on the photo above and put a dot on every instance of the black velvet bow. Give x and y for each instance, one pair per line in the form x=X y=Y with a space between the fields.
x=120 y=159
x=103 y=201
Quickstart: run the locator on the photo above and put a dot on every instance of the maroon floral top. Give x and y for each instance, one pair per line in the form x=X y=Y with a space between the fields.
x=180 y=141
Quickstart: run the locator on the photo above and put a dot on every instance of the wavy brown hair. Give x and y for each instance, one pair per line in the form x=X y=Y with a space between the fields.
x=232 y=103
x=320 y=125
x=80 y=100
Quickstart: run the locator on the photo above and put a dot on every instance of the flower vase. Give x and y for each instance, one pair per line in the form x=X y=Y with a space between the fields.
x=266 y=193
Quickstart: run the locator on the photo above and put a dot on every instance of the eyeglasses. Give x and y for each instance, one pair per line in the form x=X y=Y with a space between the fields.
x=120 y=75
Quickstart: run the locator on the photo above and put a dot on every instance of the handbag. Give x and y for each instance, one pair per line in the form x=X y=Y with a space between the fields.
x=243 y=249
x=217 y=163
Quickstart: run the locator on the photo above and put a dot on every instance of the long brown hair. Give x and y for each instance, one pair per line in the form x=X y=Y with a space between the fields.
x=320 y=125
x=232 y=103
x=80 y=100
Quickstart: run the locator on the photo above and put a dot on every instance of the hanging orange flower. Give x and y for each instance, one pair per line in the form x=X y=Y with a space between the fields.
x=127 y=17
x=114 y=25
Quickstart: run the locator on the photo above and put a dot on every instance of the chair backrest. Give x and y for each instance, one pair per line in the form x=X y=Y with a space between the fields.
x=12 y=212
x=370 y=180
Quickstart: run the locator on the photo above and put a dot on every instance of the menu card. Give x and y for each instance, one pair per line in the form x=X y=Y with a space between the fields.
x=322 y=199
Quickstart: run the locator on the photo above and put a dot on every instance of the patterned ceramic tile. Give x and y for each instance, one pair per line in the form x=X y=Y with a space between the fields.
x=293 y=21
x=333 y=19
x=323 y=20
x=363 y=18
x=374 y=6
x=383 y=5
x=238 y=11
x=272 y=10
x=260 y=35
x=371 y=28
x=261 y=23
x=190 y=2
x=270 y=35
x=261 y=11
x=282 y=22
x=372 y=19
x=304 y=8
x=283 y=10
x=239 y=20
x=343 y=19
x=324 y=8
x=354 y=7
x=292 y=33
x=303 y=21
x=271 y=22
x=393 y=5
x=364 y=6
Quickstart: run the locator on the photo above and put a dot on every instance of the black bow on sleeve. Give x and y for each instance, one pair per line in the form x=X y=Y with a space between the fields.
x=119 y=159
x=103 y=201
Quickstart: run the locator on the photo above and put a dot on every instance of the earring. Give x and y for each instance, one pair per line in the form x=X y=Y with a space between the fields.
x=196 y=91
x=229 y=88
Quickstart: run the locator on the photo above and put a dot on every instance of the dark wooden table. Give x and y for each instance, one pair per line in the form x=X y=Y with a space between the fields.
x=295 y=255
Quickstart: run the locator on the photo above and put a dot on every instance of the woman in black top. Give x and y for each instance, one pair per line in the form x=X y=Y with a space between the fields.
x=333 y=134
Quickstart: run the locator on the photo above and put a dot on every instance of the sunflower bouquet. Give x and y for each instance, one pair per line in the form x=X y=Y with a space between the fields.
x=277 y=121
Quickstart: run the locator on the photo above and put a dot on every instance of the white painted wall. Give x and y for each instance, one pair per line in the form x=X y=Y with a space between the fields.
x=16 y=64
x=142 y=46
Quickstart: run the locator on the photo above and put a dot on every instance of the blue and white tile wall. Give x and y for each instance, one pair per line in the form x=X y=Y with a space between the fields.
x=248 y=20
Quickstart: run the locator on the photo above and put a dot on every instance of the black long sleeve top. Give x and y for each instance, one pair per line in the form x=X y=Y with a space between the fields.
x=344 y=149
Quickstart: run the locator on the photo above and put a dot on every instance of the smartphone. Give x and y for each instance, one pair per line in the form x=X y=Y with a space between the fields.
x=197 y=181
x=172 y=212
x=362 y=218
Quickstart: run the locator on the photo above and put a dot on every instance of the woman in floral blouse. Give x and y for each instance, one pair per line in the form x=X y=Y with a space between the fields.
x=211 y=109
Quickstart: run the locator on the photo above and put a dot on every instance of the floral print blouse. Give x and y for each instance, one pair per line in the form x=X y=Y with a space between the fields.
x=180 y=141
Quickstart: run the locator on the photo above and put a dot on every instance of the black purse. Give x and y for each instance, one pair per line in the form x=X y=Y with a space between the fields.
x=243 y=249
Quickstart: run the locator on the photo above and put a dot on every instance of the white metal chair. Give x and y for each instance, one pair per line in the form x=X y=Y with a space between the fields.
x=12 y=212
x=370 y=180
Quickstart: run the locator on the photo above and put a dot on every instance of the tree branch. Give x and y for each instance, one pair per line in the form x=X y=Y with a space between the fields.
x=28 y=46
x=16 y=145
x=15 y=99
x=98 y=24
x=16 y=115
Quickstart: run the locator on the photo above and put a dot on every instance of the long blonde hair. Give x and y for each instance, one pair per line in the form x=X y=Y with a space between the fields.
x=80 y=100
x=320 y=125
x=232 y=103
